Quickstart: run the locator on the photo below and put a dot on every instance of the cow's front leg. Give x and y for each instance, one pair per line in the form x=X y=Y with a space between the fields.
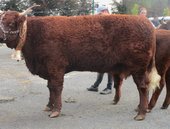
x=50 y=104
x=56 y=78
x=56 y=91
x=154 y=97
x=57 y=101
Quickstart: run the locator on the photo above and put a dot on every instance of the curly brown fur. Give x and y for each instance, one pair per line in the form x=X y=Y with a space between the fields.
x=55 y=45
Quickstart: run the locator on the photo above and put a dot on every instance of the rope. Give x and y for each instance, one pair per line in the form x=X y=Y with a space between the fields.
x=22 y=35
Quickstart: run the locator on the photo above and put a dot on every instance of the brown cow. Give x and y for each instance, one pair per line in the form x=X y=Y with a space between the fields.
x=53 y=46
x=163 y=67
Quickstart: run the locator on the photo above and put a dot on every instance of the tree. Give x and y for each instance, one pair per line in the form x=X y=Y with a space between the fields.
x=85 y=7
x=50 y=7
x=135 y=9
x=154 y=7
x=66 y=7
x=120 y=7
x=166 y=12
x=17 y=5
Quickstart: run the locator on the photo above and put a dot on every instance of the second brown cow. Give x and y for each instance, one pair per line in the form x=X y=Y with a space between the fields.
x=163 y=66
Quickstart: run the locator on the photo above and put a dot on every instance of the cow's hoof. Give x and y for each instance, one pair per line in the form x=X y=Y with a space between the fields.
x=54 y=114
x=115 y=102
x=139 y=117
x=164 y=107
x=47 y=109
x=148 y=110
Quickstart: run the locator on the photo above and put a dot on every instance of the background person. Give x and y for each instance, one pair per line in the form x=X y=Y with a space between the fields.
x=155 y=21
x=143 y=13
x=102 y=10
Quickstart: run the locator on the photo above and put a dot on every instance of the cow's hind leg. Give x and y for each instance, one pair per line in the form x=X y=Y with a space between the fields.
x=141 y=81
x=167 y=99
x=117 y=85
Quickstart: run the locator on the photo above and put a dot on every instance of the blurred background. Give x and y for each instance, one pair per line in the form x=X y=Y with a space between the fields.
x=155 y=8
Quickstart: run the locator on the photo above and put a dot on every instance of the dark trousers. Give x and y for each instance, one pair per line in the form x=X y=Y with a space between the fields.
x=100 y=78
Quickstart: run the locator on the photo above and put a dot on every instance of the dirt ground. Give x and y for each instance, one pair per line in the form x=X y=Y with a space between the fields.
x=24 y=96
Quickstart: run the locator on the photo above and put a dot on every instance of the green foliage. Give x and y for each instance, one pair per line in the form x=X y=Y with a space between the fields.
x=16 y=5
x=135 y=9
x=69 y=8
x=166 y=12
x=154 y=7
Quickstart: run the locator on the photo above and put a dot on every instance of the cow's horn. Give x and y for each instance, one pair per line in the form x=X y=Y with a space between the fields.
x=29 y=10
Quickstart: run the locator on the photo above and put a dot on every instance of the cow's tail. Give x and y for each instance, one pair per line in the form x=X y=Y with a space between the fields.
x=154 y=77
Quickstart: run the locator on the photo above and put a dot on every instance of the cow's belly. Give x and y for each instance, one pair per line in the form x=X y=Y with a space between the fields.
x=37 y=69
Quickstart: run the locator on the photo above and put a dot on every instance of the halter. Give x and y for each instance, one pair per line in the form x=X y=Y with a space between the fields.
x=3 y=28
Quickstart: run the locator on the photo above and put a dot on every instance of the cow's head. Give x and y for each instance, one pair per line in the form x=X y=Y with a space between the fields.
x=13 y=28
x=165 y=25
x=11 y=24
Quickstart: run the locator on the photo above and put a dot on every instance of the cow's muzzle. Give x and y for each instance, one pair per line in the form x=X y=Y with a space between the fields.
x=4 y=32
